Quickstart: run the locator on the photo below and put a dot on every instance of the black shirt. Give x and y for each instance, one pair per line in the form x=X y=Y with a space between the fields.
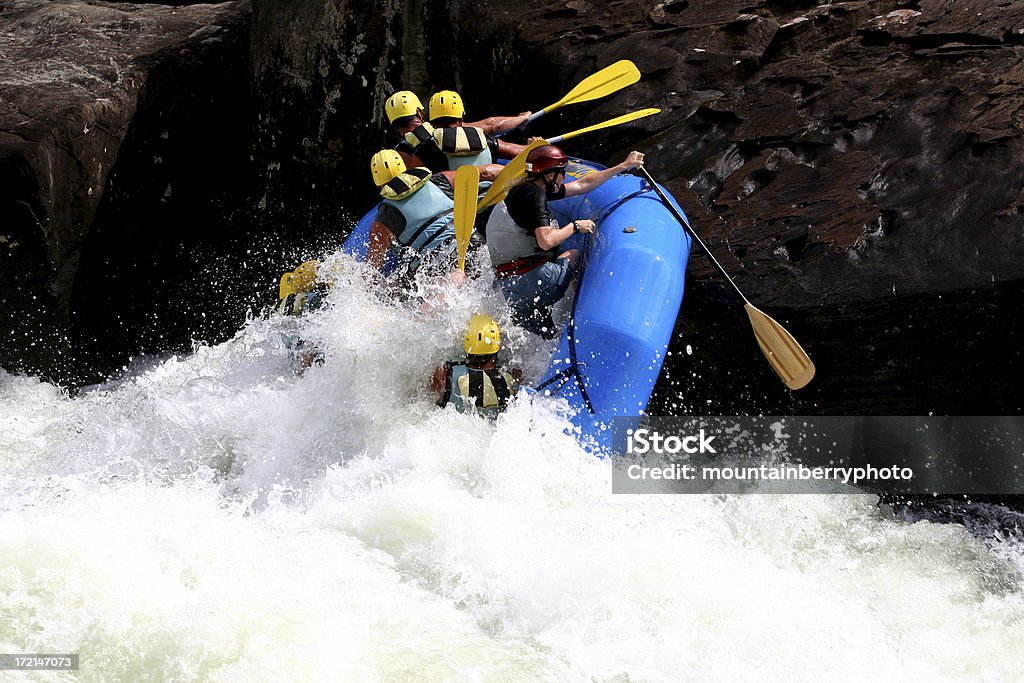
x=492 y=144
x=528 y=206
x=428 y=152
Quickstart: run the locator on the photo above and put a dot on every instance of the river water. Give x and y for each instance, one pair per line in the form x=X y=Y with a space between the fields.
x=215 y=517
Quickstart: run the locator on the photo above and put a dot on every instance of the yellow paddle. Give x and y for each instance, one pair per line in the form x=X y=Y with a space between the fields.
x=467 y=182
x=606 y=81
x=784 y=354
x=515 y=170
x=509 y=177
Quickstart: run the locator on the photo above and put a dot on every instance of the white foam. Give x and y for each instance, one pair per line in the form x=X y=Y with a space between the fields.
x=215 y=517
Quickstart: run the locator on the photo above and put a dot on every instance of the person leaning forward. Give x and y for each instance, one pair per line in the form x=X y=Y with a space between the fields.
x=524 y=237
x=417 y=148
x=471 y=143
x=417 y=213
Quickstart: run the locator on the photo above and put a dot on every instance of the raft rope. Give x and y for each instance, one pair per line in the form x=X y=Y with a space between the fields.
x=623 y=200
x=572 y=371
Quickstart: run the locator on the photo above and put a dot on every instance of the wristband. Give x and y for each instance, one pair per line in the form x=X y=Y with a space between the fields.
x=575 y=227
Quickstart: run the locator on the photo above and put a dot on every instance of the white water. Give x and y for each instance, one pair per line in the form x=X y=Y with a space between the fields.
x=216 y=518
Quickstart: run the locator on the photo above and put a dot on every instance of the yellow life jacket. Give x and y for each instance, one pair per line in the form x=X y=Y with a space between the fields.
x=463 y=146
x=488 y=390
x=405 y=184
x=461 y=141
x=292 y=304
x=420 y=134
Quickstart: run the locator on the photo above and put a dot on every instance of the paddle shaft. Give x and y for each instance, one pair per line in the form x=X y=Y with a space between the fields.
x=784 y=353
x=467 y=183
x=682 y=221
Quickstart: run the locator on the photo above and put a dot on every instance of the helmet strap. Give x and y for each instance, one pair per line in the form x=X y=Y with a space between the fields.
x=549 y=180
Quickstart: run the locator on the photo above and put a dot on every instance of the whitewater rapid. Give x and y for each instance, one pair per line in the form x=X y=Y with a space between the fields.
x=215 y=517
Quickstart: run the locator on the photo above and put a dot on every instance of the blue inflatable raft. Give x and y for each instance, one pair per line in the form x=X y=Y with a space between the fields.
x=627 y=300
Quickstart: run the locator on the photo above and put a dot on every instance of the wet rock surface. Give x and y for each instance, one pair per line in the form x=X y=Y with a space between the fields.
x=838 y=151
x=76 y=79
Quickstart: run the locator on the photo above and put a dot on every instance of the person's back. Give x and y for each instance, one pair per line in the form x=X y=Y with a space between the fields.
x=477 y=383
x=416 y=214
x=473 y=143
x=417 y=147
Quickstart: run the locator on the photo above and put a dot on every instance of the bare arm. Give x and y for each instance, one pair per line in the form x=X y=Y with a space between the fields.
x=490 y=171
x=438 y=381
x=549 y=237
x=500 y=124
x=594 y=180
x=381 y=240
x=509 y=150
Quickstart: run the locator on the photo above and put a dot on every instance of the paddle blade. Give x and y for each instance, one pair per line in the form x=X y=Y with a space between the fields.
x=509 y=177
x=784 y=354
x=467 y=182
x=601 y=84
x=618 y=120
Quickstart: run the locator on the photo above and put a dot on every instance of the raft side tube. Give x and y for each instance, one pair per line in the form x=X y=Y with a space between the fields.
x=627 y=303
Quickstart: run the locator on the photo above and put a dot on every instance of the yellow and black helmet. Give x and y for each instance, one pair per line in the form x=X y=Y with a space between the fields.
x=403 y=103
x=386 y=165
x=483 y=337
x=446 y=104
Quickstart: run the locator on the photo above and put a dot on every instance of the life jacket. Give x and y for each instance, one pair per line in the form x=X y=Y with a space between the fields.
x=488 y=390
x=298 y=303
x=464 y=146
x=406 y=183
x=422 y=134
x=420 y=143
x=428 y=212
x=292 y=304
x=510 y=244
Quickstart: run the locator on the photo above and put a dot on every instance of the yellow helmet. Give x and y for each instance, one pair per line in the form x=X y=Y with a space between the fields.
x=403 y=103
x=299 y=280
x=386 y=165
x=446 y=103
x=483 y=337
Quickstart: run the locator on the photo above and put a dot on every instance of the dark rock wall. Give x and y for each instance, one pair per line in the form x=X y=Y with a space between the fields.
x=170 y=257
x=838 y=150
x=321 y=73
x=70 y=81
